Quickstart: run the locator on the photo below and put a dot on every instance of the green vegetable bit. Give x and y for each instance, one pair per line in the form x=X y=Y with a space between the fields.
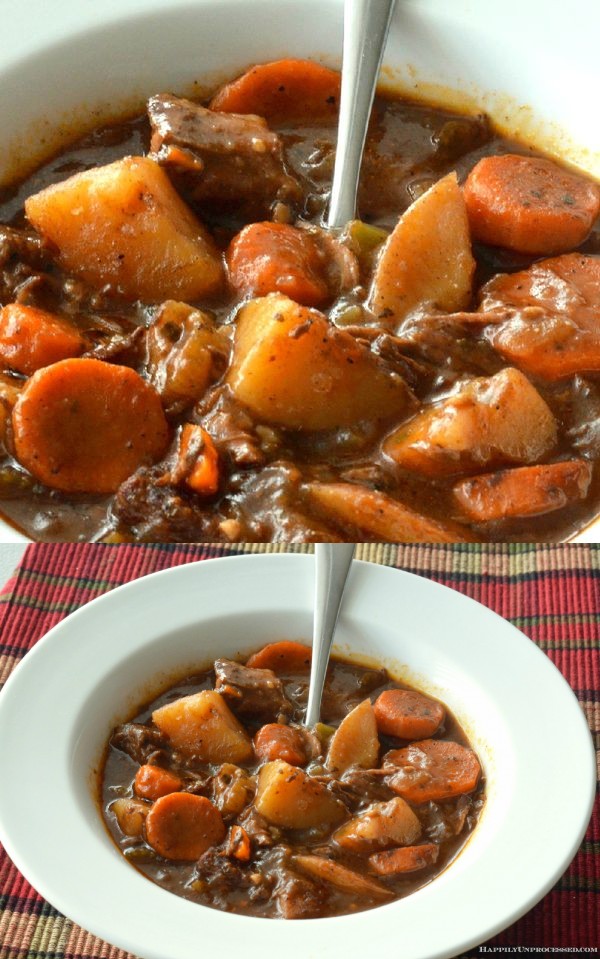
x=324 y=732
x=364 y=240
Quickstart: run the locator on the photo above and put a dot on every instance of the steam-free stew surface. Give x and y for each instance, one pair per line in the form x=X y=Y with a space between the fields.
x=216 y=792
x=285 y=383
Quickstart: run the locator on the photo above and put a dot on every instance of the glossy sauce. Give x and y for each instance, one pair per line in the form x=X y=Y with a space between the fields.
x=409 y=147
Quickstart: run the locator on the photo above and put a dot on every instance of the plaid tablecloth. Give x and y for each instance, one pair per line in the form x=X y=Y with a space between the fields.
x=552 y=593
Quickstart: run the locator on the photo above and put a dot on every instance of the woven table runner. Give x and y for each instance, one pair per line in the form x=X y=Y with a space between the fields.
x=552 y=593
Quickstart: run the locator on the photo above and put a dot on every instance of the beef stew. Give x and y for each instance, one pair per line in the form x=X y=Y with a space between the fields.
x=218 y=793
x=188 y=355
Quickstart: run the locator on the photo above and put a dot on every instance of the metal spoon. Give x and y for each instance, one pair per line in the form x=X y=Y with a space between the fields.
x=366 y=25
x=332 y=565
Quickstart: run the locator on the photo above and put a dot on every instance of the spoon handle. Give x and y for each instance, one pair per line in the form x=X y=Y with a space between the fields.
x=332 y=565
x=366 y=25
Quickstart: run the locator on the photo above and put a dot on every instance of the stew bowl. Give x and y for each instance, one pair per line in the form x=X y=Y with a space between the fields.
x=110 y=656
x=63 y=74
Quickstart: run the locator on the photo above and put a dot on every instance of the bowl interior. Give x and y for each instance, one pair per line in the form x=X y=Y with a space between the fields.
x=459 y=54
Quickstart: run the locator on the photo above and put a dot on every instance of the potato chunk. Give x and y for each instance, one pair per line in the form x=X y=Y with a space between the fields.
x=233 y=790
x=202 y=726
x=185 y=352
x=131 y=815
x=382 y=824
x=287 y=797
x=490 y=421
x=355 y=741
x=427 y=260
x=292 y=367
x=125 y=225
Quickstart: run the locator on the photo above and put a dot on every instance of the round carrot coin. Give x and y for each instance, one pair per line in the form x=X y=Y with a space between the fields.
x=529 y=204
x=432 y=770
x=407 y=714
x=84 y=426
x=183 y=826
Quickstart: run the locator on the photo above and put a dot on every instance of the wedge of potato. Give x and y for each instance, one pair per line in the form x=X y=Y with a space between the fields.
x=427 y=260
x=203 y=726
x=490 y=421
x=328 y=870
x=382 y=824
x=287 y=797
x=380 y=516
x=125 y=226
x=293 y=368
x=131 y=815
x=355 y=741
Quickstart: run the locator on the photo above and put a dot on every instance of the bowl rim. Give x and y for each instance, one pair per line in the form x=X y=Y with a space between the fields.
x=269 y=584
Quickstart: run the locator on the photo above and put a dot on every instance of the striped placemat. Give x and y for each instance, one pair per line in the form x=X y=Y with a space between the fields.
x=552 y=593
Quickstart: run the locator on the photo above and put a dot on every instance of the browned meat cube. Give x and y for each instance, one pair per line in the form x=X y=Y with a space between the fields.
x=251 y=692
x=225 y=159
x=143 y=743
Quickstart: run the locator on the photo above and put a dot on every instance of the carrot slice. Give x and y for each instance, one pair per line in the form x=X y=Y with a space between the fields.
x=284 y=657
x=529 y=204
x=276 y=741
x=407 y=714
x=277 y=258
x=197 y=461
x=82 y=425
x=552 y=329
x=432 y=770
x=182 y=826
x=282 y=90
x=152 y=782
x=393 y=862
x=527 y=491
x=31 y=338
x=239 y=845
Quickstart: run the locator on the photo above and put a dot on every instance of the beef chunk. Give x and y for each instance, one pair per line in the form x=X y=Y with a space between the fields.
x=267 y=508
x=143 y=743
x=299 y=898
x=221 y=159
x=360 y=787
x=23 y=245
x=262 y=833
x=160 y=514
x=255 y=693
x=231 y=427
x=219 y=871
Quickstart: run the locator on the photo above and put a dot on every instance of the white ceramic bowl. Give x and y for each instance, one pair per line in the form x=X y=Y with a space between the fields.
x=92 y=670
x=533 y=69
